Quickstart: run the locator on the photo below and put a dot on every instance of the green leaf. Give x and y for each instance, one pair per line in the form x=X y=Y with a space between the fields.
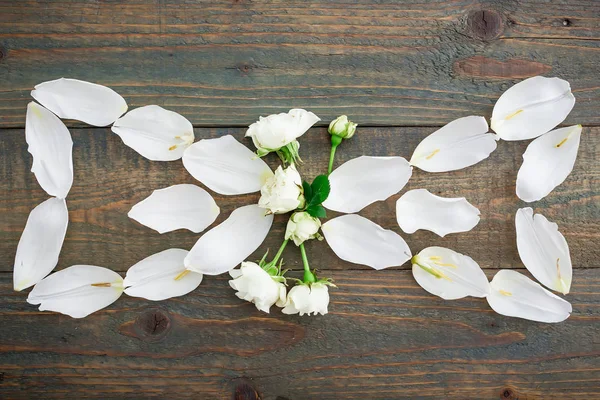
x=320 y=190
x=317 y=211
x=307 y=191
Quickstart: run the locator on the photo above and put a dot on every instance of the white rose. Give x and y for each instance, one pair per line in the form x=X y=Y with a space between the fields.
x=301 y=227
x=282 y=192
x=277 y=130
x=255 y=285
x=307 y=299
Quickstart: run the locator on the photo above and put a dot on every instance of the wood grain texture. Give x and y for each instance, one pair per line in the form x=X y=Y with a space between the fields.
x=226 y=62
x=110 y=178
x=385 y=338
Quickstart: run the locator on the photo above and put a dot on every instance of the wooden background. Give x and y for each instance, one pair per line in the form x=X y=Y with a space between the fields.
x=399 y=69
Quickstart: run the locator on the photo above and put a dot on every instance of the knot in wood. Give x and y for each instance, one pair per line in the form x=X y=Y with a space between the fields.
x=244 y=391
x=508 y=394
x=485 y=24
x=153 y=324
x=3 y=53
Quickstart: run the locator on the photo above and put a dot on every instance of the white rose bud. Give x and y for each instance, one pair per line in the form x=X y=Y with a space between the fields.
x=255 y=285
x=301 y=227
x=342 y=127
x=282 y=192
x=306 y=299
x=278 y=130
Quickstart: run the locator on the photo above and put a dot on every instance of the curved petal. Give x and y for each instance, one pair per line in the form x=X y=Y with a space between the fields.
x=226 y=166
x=51 y=146
x=515 y=295
x=532 y=107
x=543 y=250
x=277 y=130
x=459 y=144
x=448 y=274
x=182 y=206
x=155 y=133
x=547 y=162
x=365 y=180
x=226 y=245
x=161 y=276
x=356 y=239
x=84 y=101
x=77 y=291
x=420 y=209
x=40 y=243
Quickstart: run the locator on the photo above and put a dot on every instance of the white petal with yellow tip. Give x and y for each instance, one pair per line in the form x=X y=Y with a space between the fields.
x=40 y=243
x=448 y=274
x=226 y=166
x=228 y=244
x=77 y=291
x=358 y=240
x=547 y=162
x=543 y=250
x=532 y=107
x=183 y=206
x=83 y=101
x=155 y=133
x=459 y=144
x=161 y=276
x=51 y=146
x=515 y=295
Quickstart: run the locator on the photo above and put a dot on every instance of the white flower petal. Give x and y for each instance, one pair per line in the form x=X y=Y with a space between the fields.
x=420 y=209
x=365 y=180
x=532 y=107
x=40 y=243
x=459 y=144
x=515 y=295
x=83 y=101
x=277 y=130
x=226 y=166
x=448 y=274
x=543 y=250
x=547 y=162
x=356 y=239
x=182 y=206
x=228 y=244
x=51 y=146
x=155 y=133
x=77 y=291
x=161 y=276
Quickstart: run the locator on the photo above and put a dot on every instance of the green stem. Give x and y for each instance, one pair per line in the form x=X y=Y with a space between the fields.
x=335 y=142
x=308 y=276
x=279 y=252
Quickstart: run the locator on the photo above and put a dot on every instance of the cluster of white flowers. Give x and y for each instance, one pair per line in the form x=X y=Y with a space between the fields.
x=530 y=109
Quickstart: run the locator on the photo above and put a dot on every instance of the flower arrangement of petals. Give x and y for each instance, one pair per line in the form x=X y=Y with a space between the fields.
x=530 y=109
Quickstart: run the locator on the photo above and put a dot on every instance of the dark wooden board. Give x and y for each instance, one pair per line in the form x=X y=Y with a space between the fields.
x=385 y=338
x=110 y=178
x=227 y=62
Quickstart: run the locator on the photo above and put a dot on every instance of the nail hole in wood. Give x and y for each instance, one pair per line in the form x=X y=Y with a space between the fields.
x=566 y=22
x=3 y=53
x=244 y=391
x=1 y=377
x=508 y=394
x=485 y=24
x=153 y=324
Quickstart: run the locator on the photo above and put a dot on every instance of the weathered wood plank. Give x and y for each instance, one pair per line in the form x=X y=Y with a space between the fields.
x=226 y=62
x=385 y=338
x=110 y=178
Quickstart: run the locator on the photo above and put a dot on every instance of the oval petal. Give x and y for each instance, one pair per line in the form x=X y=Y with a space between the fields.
x=228 y=244
x=420 y=209
x=155 y=133
x=51 y=146
x=161 y=276
x=543 y=250
x=365 y=180
x=547 y=162
x=77 y=291
x=515 y=295
x=459 y=144
x=532 y=107
x=226 y=166
x=40 y=243
x=356 y=239
x=448 y=274
x=182 y=206
x=83 y=101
